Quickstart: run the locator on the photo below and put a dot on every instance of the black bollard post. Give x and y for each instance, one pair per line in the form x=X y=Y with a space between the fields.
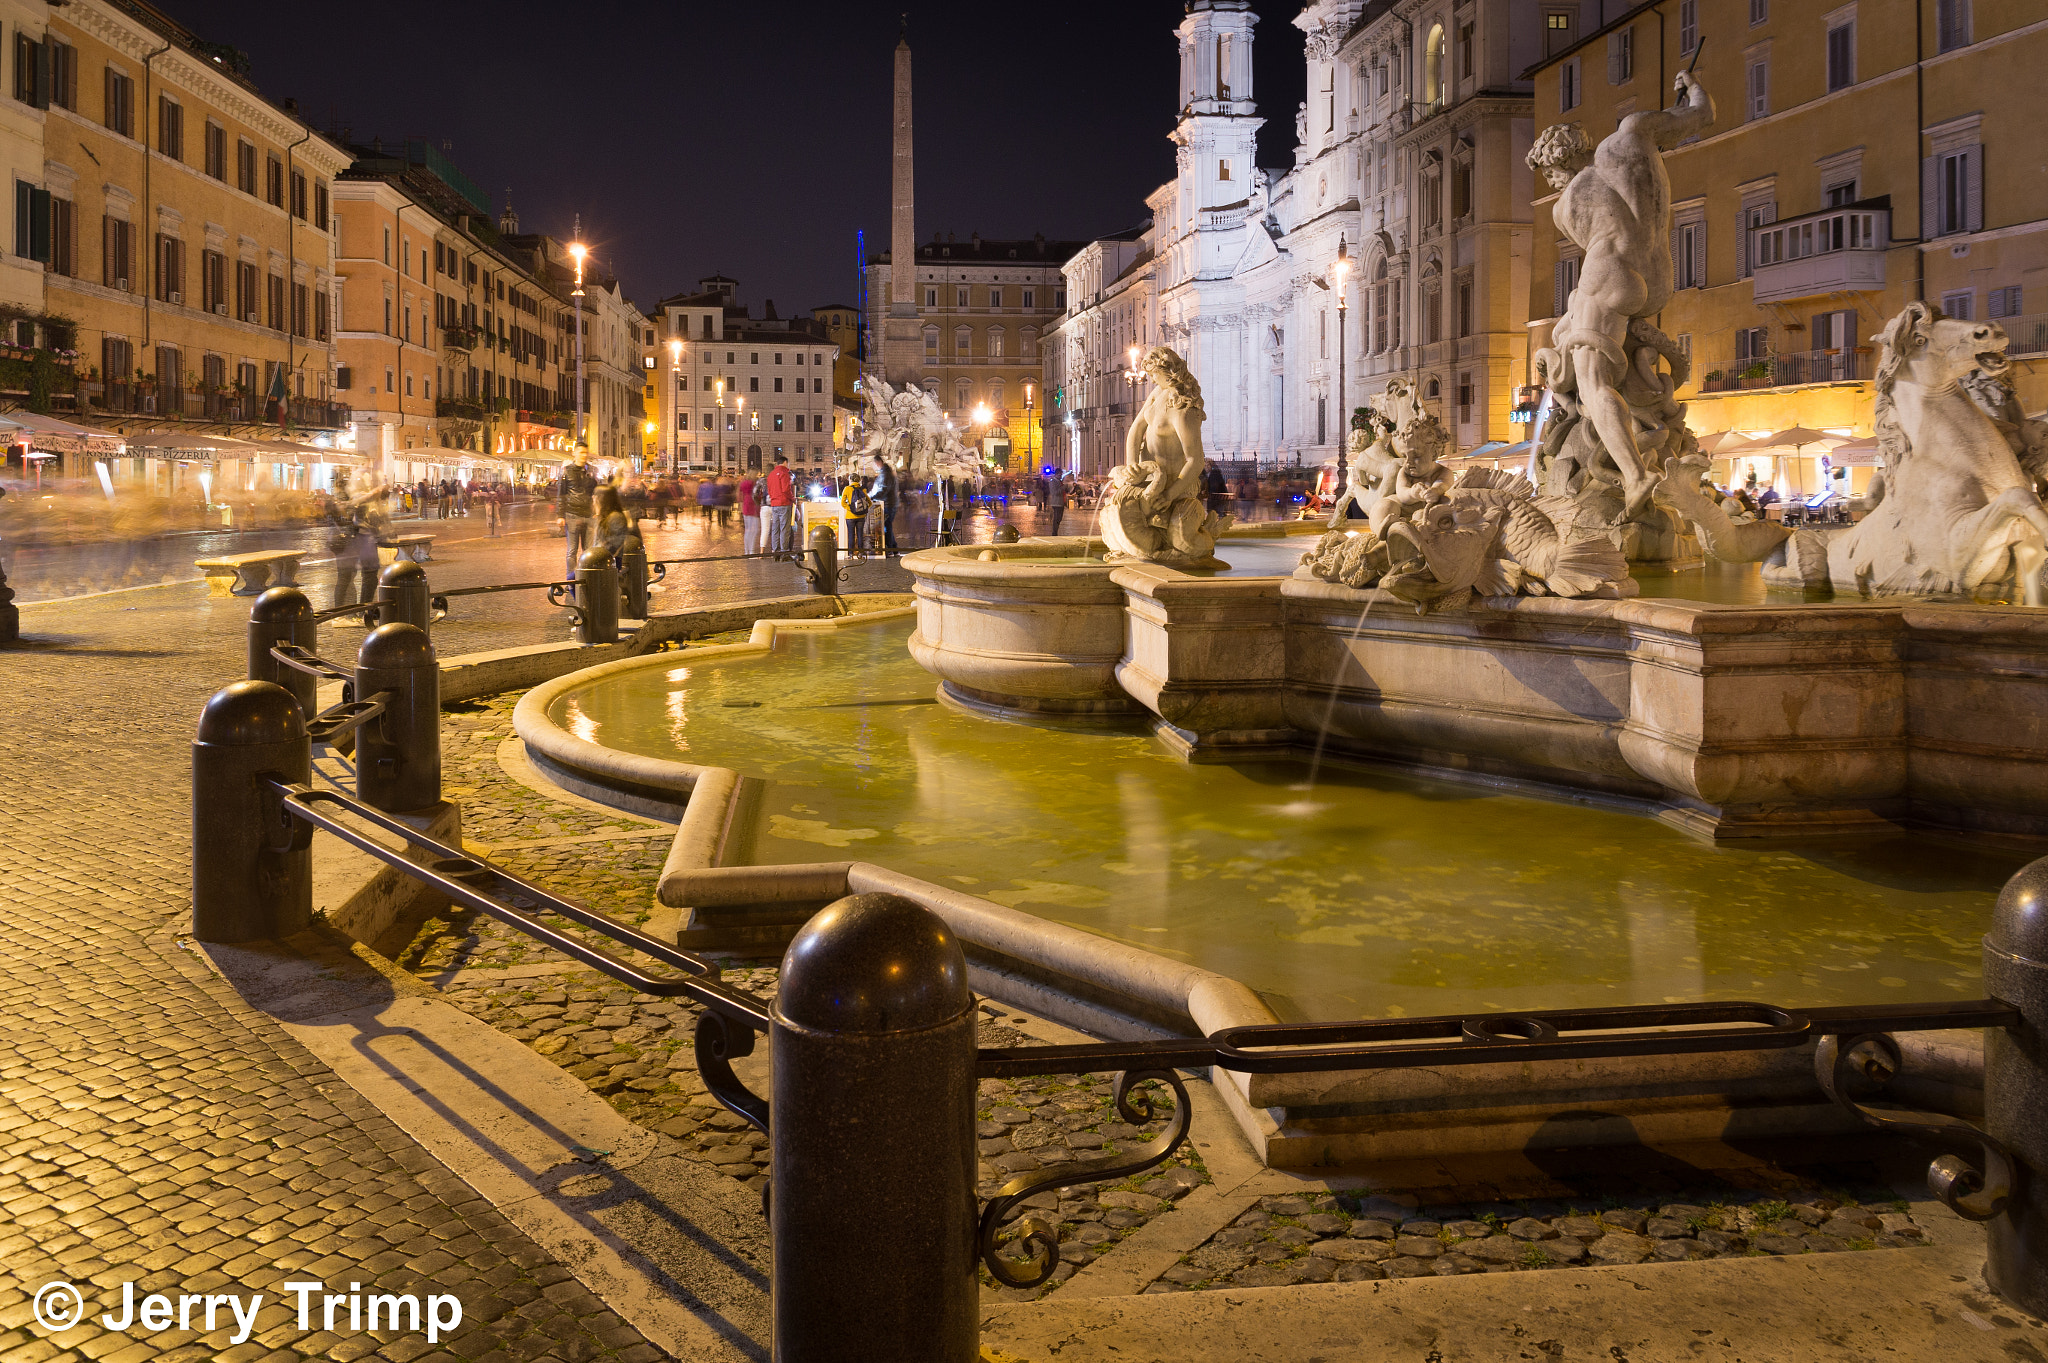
x=633 y=577
x=398 y=754
x=872 y=1126
x=243 y=888
x=283 y=615
x=824 y=569
x=2016 y=1087
x=597 y=596
x=402 y=596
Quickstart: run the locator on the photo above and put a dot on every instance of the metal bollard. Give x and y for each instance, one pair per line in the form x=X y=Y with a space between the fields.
x=633 y=577
x=2016 y=1087
x=824 y=569
x=245 y=889
x=597 y=596
x=283 y=615
x=873 y=1127
x=402 y=596
x=398 y=754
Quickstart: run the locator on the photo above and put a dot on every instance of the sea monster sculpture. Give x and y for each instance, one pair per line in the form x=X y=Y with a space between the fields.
x=1955 y=512
x=1491 y=536
x=1958 y=516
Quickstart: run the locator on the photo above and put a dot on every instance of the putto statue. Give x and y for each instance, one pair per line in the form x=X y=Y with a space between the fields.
x=1153 y=507
x=1375 y=468
x=1956 y=512
x=1435 y=542
x=1613 y=421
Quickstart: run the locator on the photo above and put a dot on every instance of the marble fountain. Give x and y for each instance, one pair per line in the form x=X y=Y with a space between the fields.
x=1482 y=749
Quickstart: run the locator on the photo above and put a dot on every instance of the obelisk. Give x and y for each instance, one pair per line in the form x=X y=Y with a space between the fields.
x=902 y=335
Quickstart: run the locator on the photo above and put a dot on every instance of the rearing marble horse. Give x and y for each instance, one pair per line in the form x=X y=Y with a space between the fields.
x=1957 y=516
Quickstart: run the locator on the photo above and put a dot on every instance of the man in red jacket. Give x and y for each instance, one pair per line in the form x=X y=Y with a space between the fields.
x=781 y=501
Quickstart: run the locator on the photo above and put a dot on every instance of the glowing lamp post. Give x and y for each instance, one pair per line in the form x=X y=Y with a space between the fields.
x=577 y=251
x=675 y=404
x=1341 y=269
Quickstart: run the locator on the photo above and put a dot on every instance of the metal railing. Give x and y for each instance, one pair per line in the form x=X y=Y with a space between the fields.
x=873 y=1015
x=1785 y=369
x=2027 y=332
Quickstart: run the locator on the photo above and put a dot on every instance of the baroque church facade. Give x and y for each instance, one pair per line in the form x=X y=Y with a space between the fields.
x=1407 y=190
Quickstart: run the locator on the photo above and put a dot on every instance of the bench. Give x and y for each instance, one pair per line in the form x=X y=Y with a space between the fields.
x=418 y=548
x=252 y=571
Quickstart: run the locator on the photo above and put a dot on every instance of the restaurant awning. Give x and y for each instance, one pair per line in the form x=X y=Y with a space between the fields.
x=61 y=436
x=192 y=445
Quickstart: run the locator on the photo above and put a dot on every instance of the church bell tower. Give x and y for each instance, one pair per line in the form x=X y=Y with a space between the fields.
x=1217 y=134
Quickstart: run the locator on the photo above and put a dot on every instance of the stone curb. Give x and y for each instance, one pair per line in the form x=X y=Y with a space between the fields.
x=1838 y=1308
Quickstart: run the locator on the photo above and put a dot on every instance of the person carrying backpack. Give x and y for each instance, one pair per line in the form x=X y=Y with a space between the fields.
x=856 y=503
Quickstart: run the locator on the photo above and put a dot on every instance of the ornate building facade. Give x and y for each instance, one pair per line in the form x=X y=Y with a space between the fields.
x=1396 y=243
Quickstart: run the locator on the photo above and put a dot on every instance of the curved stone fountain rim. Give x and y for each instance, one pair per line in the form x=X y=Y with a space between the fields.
x=1524 y=1093
x=647 y=780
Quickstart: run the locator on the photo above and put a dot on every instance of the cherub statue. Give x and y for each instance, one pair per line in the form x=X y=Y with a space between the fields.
x=1420 y=482
x=1371 y=469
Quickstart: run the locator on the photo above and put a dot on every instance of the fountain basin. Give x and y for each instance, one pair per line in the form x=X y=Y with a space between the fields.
x=1762 y=718
x=1037 y=628
x=1100 y=880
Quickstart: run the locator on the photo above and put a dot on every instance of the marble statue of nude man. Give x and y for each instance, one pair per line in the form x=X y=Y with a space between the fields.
x=1614 y=203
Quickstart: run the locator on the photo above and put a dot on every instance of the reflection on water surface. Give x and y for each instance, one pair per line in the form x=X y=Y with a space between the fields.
x=1374 y=893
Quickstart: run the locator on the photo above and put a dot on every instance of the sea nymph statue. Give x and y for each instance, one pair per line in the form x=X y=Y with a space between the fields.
x=1153 y=510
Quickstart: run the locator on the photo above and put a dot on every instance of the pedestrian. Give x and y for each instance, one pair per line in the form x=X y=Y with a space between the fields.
x=660 y=497
x=728 y=495
x=490 y=496
x=781 y=505
x=884 y=490
x=858 y=506
x=750 y=515
x=576 y=503
x=1055 y=502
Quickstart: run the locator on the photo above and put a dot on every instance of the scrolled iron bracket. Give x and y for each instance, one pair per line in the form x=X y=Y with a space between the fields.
x=657 y=572
x=1856 y=1066
x=1038 y=1235
x=720 y=1040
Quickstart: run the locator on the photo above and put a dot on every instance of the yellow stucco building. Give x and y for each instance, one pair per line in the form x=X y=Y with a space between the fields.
x=1862 y=156
x=190 y=229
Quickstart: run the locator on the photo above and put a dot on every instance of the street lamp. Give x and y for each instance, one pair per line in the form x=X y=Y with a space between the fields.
x=577 y=250
x=1030 y=459
x=675 y=402
x=1341 y=269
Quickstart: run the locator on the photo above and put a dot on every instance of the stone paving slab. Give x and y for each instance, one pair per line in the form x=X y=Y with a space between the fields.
x=1904 y=1304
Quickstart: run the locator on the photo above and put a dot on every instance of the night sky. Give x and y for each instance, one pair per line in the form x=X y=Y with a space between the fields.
x=751 y=138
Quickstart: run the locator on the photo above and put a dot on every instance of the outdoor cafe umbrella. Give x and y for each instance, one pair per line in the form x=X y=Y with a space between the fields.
x=1722 y=443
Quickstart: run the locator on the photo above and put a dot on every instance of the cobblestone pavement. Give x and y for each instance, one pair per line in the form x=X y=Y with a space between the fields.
x=1325 y=1237
x=155 y=1131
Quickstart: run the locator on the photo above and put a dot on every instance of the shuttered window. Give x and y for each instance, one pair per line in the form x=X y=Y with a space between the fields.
x=1952 y=191
x=1564 y=278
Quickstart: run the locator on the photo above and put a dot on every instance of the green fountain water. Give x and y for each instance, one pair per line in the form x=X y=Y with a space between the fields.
x=1371 y=893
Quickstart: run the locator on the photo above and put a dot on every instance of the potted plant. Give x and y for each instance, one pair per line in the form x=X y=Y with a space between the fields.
x=1757 y=375
x=1715 y=381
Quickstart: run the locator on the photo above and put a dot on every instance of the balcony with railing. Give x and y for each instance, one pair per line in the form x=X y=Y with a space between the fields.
x=1786 y=369
x=2028 y=333
x=1838 y=250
